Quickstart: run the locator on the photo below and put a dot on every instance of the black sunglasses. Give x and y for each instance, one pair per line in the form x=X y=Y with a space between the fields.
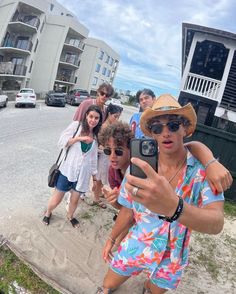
x=173 y=126
x=104 y=94
x=118 y=152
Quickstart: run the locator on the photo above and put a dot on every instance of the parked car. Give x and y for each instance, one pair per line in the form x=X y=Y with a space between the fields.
x=26 y=96
x=115 y=101
x=3 y=99
x=76 y=96
x=56 y=98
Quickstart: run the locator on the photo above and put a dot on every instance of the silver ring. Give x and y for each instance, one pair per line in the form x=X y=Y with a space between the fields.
x=135 y=191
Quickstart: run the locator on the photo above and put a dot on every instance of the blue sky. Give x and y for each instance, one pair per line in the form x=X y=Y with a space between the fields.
x=147 y=35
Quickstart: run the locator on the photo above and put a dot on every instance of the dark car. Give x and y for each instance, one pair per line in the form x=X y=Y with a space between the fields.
x=56 y=98
x=76 y=96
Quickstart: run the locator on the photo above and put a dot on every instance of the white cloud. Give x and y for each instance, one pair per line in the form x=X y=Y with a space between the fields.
x=148 y=34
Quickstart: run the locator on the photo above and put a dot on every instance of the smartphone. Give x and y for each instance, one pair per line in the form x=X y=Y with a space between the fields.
x=145 y=149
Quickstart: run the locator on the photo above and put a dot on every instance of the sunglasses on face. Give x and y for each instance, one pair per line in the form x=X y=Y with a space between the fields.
x=172 y=126
x=104 y=94
x=118 y=152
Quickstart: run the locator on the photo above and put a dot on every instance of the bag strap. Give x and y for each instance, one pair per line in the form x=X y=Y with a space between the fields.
x=67 y=150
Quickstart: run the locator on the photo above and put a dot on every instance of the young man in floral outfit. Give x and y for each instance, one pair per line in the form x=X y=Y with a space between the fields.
x=166 y=205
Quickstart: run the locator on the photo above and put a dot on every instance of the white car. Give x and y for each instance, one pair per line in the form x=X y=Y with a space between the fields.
x=115 y=101
x=26 y=96
x=3 y=99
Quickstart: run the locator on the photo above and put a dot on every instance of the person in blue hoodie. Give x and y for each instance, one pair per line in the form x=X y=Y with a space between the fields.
x=145 y=98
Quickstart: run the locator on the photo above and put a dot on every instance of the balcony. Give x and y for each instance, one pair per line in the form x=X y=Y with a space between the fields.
x=30 y=20
x=70 y=61
x=202 y=86
x=65 y=79
x=10 y=69
x=24 y=25
x=17 y=45
x=74 y=44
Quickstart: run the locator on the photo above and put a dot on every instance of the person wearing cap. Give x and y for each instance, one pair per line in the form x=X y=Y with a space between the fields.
x=166 y=206
x=145 y=98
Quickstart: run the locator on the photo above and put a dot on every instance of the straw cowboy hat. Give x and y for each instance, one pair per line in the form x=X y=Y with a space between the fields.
x=164 y=105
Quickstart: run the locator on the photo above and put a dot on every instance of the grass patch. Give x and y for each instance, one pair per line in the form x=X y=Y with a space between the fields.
x=86 y=215
x=230 y=208
x=13 y=270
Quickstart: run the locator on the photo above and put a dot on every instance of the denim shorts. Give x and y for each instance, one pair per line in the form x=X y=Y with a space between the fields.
x=64 y=185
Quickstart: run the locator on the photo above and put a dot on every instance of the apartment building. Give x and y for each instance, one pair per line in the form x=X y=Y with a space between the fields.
x=42 y=46
x=99 y=64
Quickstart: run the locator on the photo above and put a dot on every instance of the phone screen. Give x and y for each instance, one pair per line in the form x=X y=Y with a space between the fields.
x=145 y=149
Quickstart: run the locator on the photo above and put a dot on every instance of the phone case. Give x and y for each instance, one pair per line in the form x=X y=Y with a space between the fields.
x=135 y=151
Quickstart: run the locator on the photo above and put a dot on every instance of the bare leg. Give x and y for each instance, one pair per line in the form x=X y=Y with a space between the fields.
x=54 y=201
x=112 y=280
x=155 y=289
x=74 y=199
x=98 y=191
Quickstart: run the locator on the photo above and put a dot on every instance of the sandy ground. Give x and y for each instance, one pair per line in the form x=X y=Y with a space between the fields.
x=71 y=258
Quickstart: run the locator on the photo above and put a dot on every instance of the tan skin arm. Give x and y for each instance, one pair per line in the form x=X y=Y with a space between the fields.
x=111 y=197
x=86 y=139
x=124 y=220
x=157 y=195
x=217 y=175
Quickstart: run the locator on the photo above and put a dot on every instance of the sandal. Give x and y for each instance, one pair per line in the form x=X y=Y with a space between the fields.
x=74 y=222
x=46 y=219
x=99 y=204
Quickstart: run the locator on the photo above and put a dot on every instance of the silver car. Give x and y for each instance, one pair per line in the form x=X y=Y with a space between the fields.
x=3 y=99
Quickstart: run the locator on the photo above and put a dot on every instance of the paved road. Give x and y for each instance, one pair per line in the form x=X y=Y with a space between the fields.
x=28 y=138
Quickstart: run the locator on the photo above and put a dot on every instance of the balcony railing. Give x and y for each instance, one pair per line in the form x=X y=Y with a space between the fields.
x=76 y=43
x=27 y=19
x=8 y=68
x=202 y=86
x=64 y=78
x=19 y=44
x=72 y=60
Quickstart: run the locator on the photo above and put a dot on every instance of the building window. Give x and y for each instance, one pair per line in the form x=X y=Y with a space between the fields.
x=31 y=64
x=51 y=7
x=98 y=66
x=7 y=41
x=95 y=81
x=101 y=54
x=111 y=61
x=108 y=73
x=36 y=45
x=104 y=70
x=107 y=58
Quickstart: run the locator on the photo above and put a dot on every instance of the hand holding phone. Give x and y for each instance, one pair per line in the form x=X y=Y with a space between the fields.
x=145 y=149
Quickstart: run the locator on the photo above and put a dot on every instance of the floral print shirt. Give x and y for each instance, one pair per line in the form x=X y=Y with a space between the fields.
x=151 y=239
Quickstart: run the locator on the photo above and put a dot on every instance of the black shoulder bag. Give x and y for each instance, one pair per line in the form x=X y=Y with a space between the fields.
x=54 y=170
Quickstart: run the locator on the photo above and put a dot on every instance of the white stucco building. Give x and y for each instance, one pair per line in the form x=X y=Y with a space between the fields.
x=42 y=45
x=99 y=64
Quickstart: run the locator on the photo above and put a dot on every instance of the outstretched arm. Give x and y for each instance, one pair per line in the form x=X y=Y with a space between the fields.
x=157 y=195
x=217 y=175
